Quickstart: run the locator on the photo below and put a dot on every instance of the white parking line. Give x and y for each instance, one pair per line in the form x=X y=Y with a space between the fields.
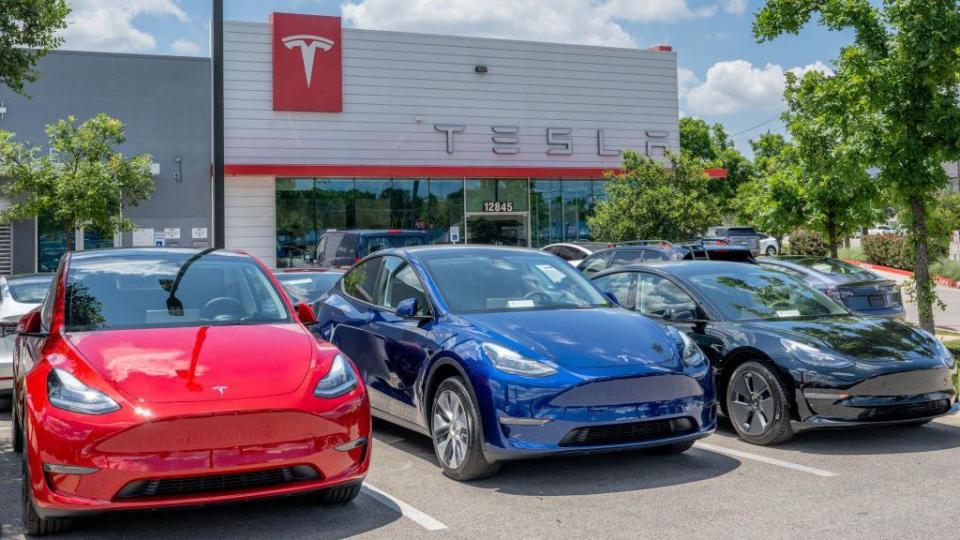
x=411 y=513
x=764 y=459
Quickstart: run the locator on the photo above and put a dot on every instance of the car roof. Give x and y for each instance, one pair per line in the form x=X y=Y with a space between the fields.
x=310 y=270
x=466 y=249
x=145 y=252
x=682 y=268
x=377 y=231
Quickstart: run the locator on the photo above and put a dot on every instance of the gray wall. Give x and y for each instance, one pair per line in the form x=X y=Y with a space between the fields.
x=165 y=103
x=397 y=86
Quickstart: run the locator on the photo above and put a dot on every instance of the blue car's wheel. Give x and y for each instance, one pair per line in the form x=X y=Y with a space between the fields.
x=758 y=406
x=457 y=434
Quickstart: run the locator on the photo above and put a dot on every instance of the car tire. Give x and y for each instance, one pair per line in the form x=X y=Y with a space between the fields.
x=457 y=433
x=337 y=495
x=669 y=449
x=757 y=405
x=33 y=524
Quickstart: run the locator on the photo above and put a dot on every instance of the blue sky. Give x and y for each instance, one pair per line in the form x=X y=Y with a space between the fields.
x=725 y=76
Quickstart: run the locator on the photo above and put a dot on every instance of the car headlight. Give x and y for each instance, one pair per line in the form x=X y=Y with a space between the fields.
x=338 y=381
x=512 y=362
x=809 y=354
x=690 y=352
x=943 y=353
x=67 y=392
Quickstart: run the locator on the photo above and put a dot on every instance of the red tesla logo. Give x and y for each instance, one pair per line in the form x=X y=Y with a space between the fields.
x=307 y=74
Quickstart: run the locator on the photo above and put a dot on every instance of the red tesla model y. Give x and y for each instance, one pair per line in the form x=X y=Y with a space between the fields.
x=166 y=377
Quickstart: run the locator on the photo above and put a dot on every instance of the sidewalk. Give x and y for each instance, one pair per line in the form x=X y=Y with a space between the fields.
x=948 y=319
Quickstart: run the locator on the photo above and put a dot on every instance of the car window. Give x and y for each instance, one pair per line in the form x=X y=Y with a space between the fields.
x=742 y=231
x=628 y=256
x=46 y=312
x=660 y=297
x=361 y=281
x=655 y=255
x=620 y=285
x=372 y=244
x=784 y=269
x=163 y=288
x=753 y=292
x=596 y=263
x=399 y=282
x=28 y=290
x=568 y=253
x=307 y=286
x=837 y=267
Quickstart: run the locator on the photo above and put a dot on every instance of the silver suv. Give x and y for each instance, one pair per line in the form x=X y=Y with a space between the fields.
x=746 y=237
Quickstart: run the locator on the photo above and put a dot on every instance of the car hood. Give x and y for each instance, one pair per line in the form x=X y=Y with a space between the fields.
x=583 y=338
x=161 y=365
x=859 y=338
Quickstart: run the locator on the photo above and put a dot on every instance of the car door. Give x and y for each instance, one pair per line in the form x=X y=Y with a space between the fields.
x=622 y=285
x=663 y=299
x=407 y=342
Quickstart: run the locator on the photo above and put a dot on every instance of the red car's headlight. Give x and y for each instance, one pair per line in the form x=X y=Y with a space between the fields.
x=67 y=392
x=338 y=381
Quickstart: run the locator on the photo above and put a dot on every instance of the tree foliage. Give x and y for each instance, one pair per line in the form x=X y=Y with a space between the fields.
x=650 y=201
x=712 y=145
x=27 y=33
x=896 y=90
x=81 y=182
x=773 y=199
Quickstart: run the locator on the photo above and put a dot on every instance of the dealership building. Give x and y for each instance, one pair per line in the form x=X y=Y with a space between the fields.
x=471 y=139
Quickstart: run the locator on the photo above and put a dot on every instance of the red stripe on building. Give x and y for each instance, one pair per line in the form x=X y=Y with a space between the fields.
x=431 y=171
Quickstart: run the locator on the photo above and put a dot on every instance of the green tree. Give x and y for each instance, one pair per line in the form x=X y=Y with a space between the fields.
x=696 y=138
x=712 y=145
x=898 y=83
x=650 y=201
x=81 y=182
x=27 y=33
x=839 y=194
x=773 y=200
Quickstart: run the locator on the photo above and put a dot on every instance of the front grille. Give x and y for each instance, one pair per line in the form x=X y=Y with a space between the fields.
x=908 y=411
x=176 y=487
x=628 y=433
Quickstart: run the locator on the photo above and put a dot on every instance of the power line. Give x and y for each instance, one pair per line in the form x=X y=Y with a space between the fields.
x=761 y=124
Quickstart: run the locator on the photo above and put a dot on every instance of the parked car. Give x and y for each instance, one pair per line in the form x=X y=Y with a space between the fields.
x=156 y=378
x=504 y=353
x=657 y=251
x=18 y=295
x=882 y=229
x=341 y=249
x=769 y=245
x=742 y=236
x=787 y=356
x=307 y=285
x=574 y=252
x=858 y=289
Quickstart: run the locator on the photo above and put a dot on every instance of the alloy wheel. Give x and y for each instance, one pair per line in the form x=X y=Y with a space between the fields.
x=451 y=429
x=751 y=404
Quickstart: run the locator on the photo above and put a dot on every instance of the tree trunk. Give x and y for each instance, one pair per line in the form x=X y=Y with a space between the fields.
x=832 y=237
x=70 y=239
x=921 y=274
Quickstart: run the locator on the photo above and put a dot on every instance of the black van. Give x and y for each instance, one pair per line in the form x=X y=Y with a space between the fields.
x=344 y=248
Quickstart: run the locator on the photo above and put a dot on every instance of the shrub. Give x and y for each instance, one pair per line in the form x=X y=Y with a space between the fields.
x=851 y=253
x=896 y=251
x=948 y=269
x=804 y=242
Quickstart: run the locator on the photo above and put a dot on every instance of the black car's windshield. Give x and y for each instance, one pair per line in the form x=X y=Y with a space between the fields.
x=847 y=271
x=756 y=293
x=499 y=280
x=307 y=286
x=29 y=290
x=163 y=288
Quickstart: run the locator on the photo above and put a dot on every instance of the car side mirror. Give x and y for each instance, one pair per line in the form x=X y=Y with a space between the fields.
x=674 y=314
x=408 y=309
x=30 y=325
x=305 y=314
x=612 y=297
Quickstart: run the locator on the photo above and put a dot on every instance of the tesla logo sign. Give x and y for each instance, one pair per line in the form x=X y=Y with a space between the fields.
x=307 y=75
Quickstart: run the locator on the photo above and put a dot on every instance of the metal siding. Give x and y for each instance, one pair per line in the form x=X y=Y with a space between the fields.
x=251 y=216
x=390 y=78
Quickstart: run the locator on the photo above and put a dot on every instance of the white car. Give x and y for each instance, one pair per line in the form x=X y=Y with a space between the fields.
x=574 y=252
x=18 y=295
x=768 y=245
x=881 y=229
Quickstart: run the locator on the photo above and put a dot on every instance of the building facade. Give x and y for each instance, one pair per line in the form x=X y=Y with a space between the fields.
x=474 y=140
x=164 y=102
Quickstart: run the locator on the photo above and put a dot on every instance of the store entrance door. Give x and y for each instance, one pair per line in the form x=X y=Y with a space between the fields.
x=498 y=229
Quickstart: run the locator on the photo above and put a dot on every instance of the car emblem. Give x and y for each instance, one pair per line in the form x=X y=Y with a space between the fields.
x=220 y=389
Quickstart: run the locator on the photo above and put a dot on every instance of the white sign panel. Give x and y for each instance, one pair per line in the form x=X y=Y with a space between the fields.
x=454 y=234
x=142 y=237
x=199 y=233
x=171 y=233
x=158 y=240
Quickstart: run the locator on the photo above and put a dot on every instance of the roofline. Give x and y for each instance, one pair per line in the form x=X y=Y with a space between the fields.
x=79 y=52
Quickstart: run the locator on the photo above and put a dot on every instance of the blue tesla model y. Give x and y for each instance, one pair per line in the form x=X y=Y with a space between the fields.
x=505 y=353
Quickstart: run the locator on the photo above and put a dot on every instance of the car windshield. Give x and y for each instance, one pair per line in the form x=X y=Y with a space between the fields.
x=29 y=290
x=372 y=244
x=165 y=288
x=508 y=280
x=752 y=293
x=307 y=286
x=836 y=267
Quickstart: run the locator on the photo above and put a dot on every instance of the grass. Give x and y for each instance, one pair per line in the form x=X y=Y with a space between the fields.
x=946 y=268
x=855 y=254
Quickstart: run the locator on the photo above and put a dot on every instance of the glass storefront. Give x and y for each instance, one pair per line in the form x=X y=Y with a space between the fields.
x=500 y=211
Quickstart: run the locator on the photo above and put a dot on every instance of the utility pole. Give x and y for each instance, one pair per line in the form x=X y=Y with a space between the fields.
x=218 y=196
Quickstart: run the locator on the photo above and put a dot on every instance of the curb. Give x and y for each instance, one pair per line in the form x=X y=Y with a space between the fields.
x=939 y=280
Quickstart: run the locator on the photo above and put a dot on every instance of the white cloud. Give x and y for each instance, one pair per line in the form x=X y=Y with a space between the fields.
x=591 y=22
x=108 y=25
x=800 y=71
x=737 y=86
x=686 y=79
x=185 y=46
x=734 y=6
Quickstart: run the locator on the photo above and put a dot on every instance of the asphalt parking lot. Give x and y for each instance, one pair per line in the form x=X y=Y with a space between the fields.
x=876 y=483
